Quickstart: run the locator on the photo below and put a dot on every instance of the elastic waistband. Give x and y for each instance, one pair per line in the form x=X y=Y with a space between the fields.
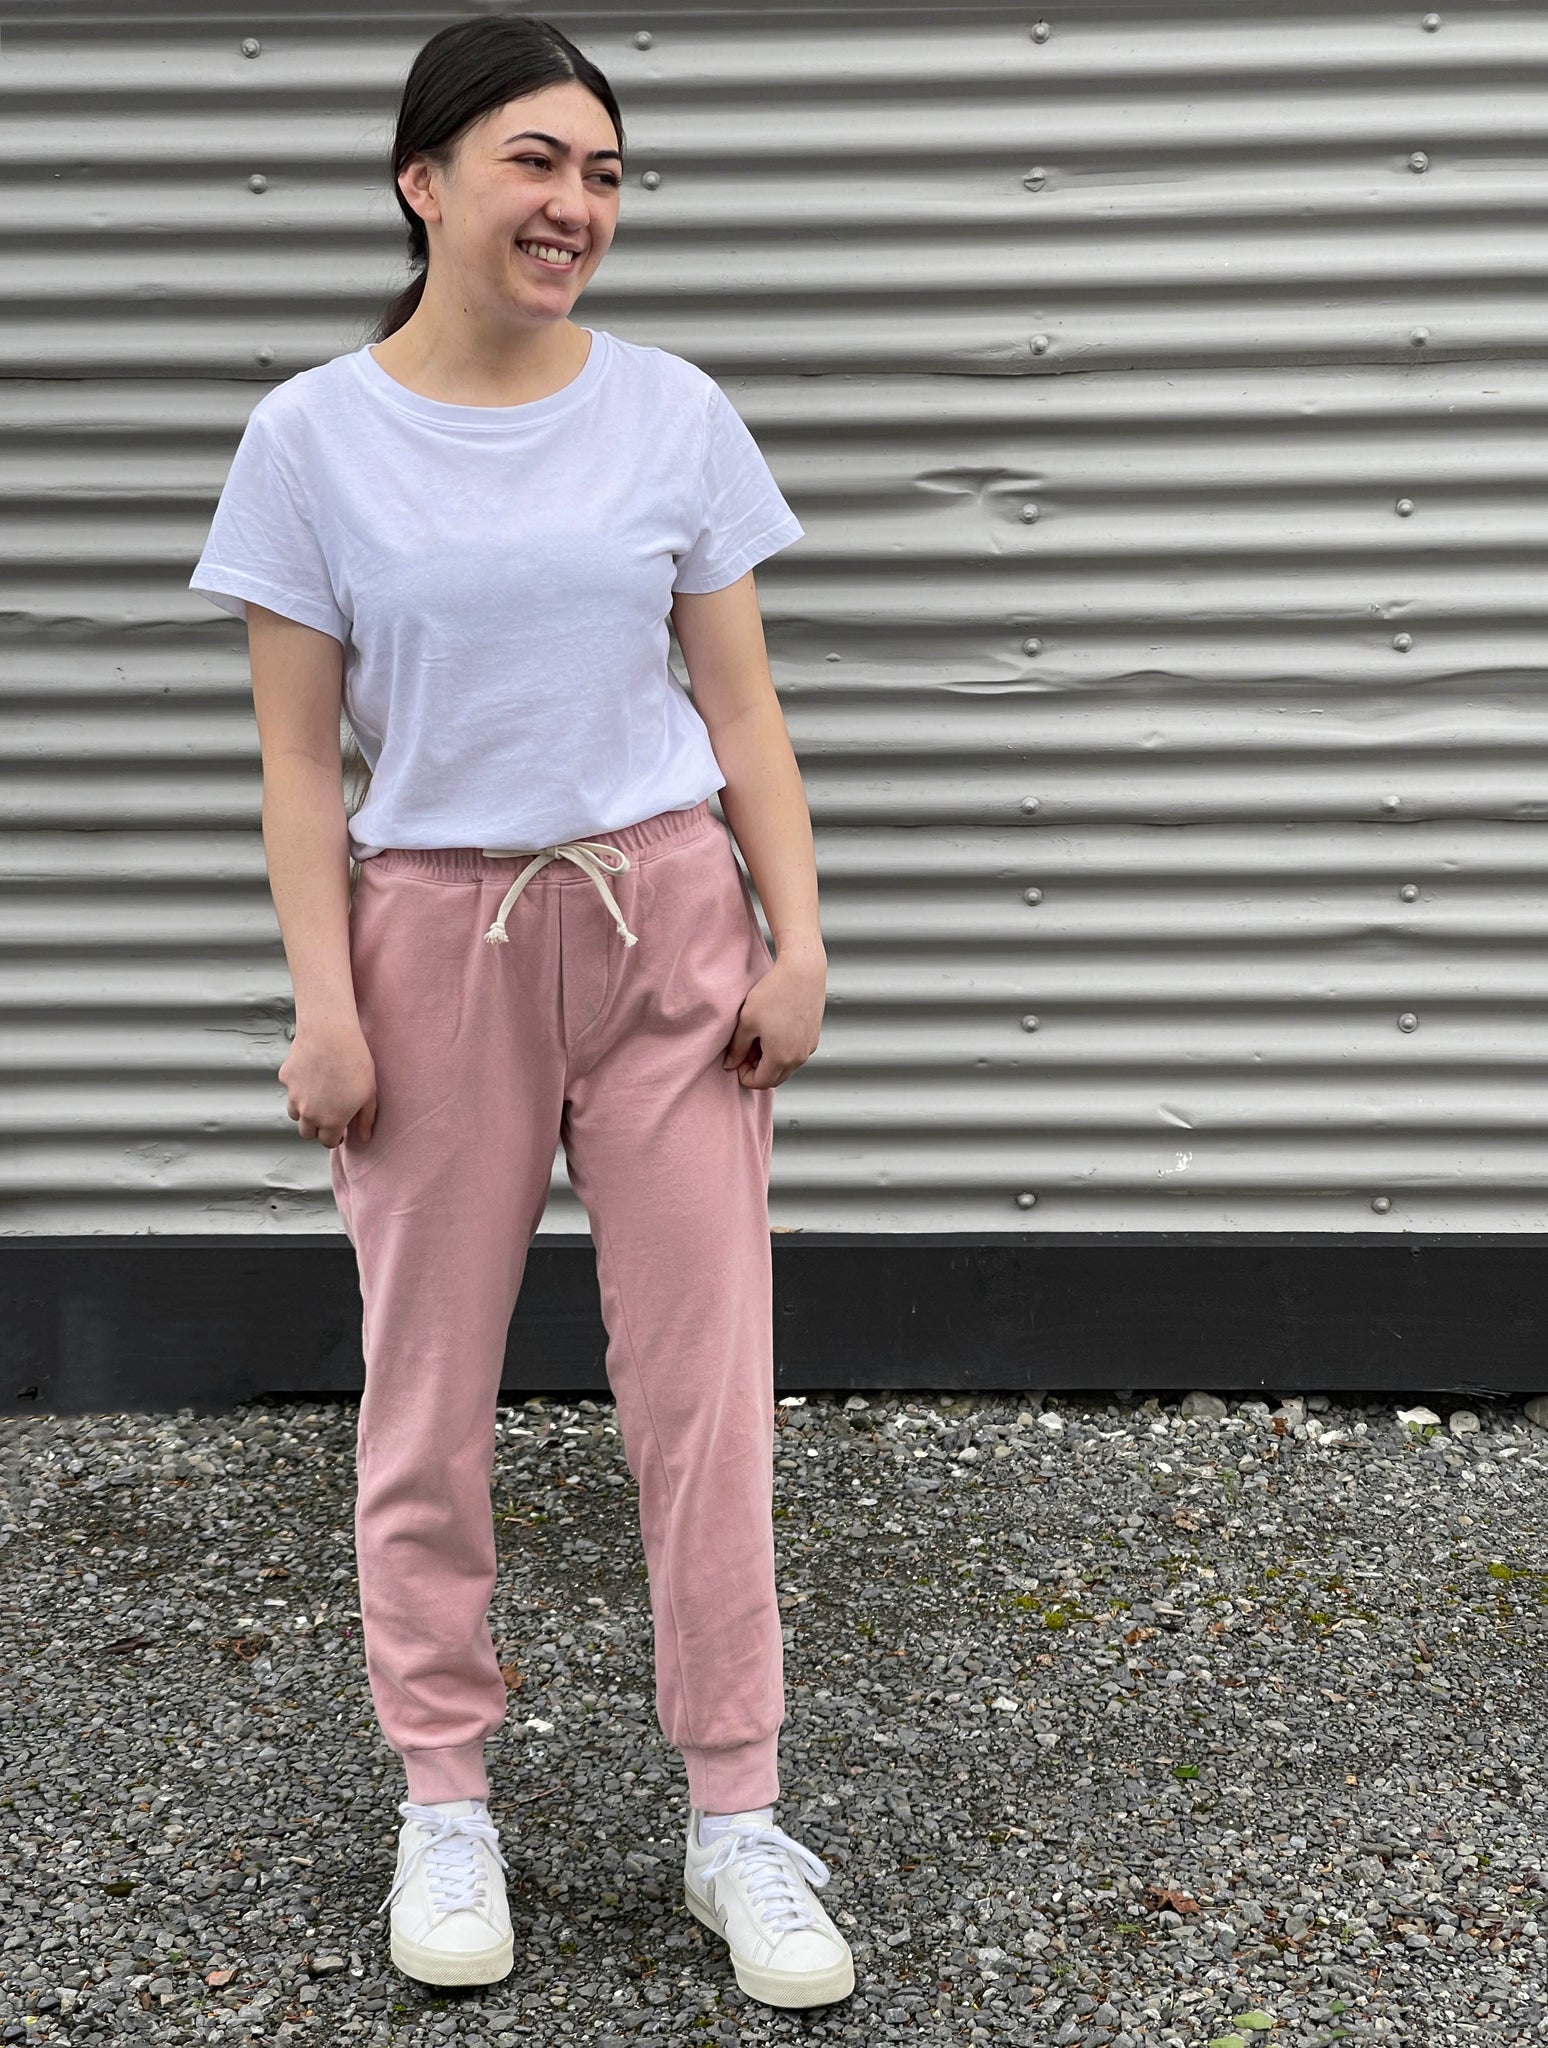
x=470 y=863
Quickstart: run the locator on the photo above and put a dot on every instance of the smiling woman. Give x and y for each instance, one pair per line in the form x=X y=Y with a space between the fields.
x=475 y=189
x=471 y=536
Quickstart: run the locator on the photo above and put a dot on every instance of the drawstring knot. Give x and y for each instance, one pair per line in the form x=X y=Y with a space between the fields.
x=589 y=855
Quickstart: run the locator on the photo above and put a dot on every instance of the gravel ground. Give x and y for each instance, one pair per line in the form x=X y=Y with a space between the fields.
x=1171 y=1722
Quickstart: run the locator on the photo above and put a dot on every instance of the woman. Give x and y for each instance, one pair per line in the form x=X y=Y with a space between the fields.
x=471 y=534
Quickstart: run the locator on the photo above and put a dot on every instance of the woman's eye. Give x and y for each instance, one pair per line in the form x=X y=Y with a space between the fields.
x=606 y=176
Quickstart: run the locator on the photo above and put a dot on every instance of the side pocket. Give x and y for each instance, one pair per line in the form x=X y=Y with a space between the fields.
x=748 y=904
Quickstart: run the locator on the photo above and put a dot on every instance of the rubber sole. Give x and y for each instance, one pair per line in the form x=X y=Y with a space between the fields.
x=775 y=1987
x=435 y=1966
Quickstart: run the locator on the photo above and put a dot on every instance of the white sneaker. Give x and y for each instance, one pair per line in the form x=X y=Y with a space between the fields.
x=451 y=1920
x=751 y=1888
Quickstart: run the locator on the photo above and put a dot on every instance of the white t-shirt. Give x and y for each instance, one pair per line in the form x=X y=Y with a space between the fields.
x=501 y=579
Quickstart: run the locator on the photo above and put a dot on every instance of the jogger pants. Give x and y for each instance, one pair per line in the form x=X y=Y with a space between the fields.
x=599 y=1024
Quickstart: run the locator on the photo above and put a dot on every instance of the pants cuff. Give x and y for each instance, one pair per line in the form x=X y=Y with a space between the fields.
x=731 y=1780
x=456 y=1772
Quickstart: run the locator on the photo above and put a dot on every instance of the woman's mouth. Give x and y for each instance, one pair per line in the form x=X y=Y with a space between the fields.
x=547 y=256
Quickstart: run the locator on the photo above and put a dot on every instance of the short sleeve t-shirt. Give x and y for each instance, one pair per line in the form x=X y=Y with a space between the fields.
x=500 y=579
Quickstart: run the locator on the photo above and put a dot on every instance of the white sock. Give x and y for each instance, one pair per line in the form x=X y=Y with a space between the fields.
x=713 y=1825
x=446 y=1805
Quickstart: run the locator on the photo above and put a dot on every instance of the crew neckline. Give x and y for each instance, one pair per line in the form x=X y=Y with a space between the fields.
x=487 y=418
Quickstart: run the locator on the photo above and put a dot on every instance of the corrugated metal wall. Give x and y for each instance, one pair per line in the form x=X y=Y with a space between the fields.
x=1163 y=394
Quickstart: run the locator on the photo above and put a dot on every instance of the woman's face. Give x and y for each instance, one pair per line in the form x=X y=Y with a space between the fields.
x=544 y=170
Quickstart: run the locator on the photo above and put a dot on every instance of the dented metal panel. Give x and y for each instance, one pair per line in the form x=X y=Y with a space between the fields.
x=1163 y=397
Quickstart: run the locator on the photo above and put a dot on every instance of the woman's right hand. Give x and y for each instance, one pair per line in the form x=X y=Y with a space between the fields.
x=330 y=1080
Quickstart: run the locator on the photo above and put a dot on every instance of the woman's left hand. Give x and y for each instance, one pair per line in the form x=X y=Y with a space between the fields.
x=781 y=1018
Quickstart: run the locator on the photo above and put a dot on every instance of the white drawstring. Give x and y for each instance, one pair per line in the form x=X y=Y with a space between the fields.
x=586 y=854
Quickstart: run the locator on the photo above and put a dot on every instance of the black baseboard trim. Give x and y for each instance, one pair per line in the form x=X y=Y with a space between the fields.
x=155 y=1324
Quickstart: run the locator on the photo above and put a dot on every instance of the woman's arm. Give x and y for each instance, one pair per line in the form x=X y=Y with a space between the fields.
x=298 y=683
x=329 y=1076
x=721 y=635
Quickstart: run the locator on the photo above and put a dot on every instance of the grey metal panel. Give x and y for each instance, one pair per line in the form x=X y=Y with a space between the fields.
x=1139 y=388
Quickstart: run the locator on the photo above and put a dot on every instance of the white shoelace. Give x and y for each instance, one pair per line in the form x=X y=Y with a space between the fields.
x=775 y=1889
x=454 y=1869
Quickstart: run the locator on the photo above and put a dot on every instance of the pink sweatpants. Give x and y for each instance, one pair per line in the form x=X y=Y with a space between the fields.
x=488 y=1056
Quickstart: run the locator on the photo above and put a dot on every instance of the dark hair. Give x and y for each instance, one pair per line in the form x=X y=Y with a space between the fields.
x=467 y=70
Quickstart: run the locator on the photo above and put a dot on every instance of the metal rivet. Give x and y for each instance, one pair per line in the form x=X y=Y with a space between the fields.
x=1030 y=1023
x=1035 y=178
x=1040 y=344
x=1403 y=507
x=1028 y=514
x=1032 y=896
x=250 y=46
x=1381 y=1204
x=1409 y=892
x=650 y=180
x=1026 y=1201
x=643 y=38
x=1040 y=32
x=1408 y=1021
x=264 y=355
x=1418 y=336
x=1031 y=646
x=1391 y=803
x=1431 y=22
x=1402 y=642
x=1418 y=161
x=1029 y=803
x=257 y=182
